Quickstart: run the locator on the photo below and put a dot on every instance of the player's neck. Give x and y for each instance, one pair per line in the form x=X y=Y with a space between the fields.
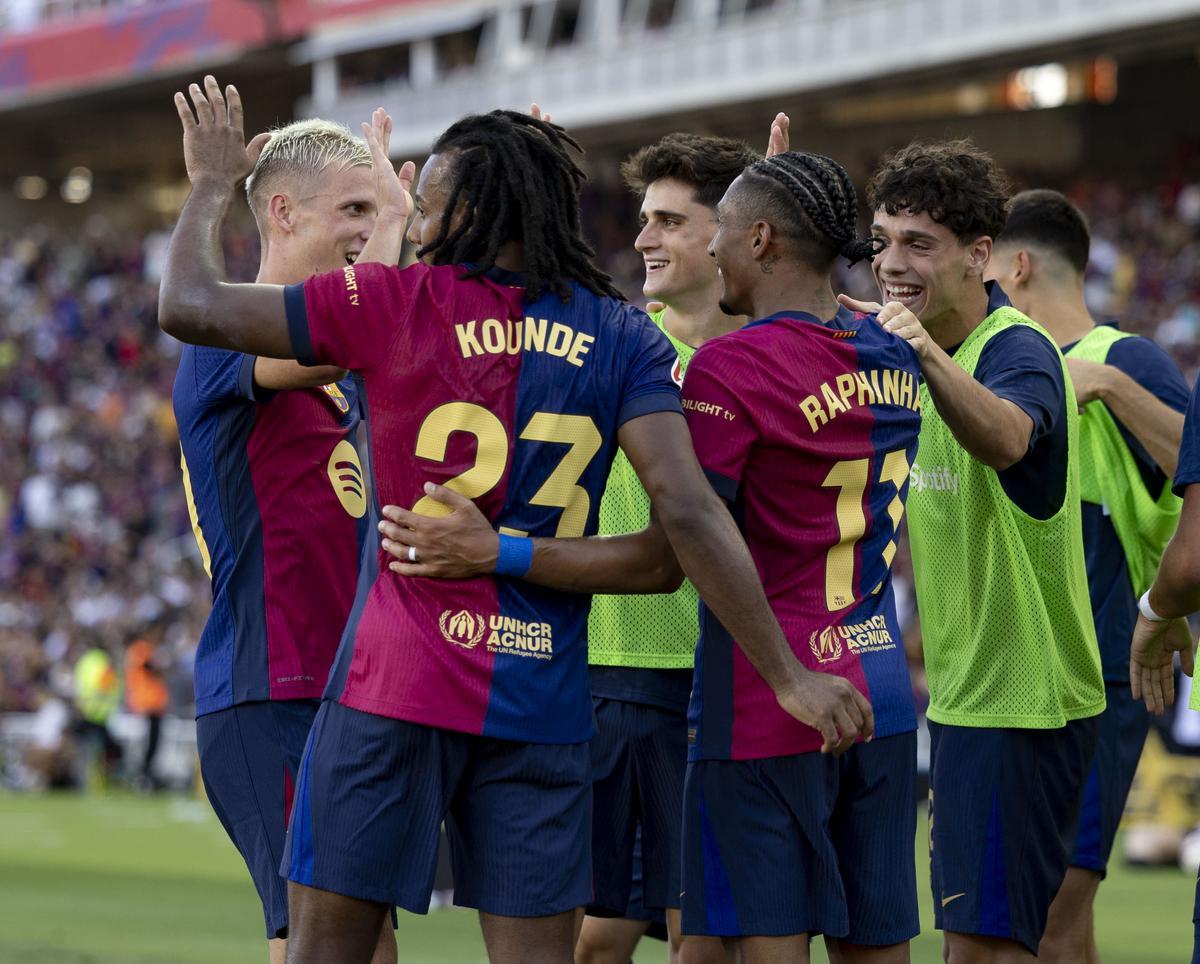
x=275 y=270
x=813 y=296
x=511 y=257
x=954 y=326
x=1062 y=312
x=694 y=325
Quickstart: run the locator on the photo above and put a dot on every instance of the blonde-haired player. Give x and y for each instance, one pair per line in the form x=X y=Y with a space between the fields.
x=276 y=492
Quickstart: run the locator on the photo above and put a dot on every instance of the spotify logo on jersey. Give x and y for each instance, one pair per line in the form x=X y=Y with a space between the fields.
x=346 y=475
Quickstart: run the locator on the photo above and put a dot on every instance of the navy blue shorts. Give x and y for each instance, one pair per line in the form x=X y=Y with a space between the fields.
x=249 y=758
x=639 y=757
x=1123 y=727
x=1003 y=810
x=374 y=791
x=804 y=844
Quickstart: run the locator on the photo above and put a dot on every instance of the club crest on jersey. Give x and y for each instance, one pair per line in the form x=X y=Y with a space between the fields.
x=462 y=628
x=826 y=645
x=336 y=396
x=346 y=476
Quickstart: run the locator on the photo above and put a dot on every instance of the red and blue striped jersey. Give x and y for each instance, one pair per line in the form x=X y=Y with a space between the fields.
x=808 y=430
x=278 y=505
x=516 y=406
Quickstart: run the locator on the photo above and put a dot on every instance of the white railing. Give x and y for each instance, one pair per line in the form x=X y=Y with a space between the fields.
x=700 y=60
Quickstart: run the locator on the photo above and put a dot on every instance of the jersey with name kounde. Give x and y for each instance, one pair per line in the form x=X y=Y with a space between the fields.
x=807 y=428
x=1006 y=620
x=656 y=631
x=277 y=499
x=516 y=406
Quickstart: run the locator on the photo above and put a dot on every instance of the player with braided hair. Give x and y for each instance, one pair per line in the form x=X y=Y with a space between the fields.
x=516 y=182
x=806 y=422
x=468 y=702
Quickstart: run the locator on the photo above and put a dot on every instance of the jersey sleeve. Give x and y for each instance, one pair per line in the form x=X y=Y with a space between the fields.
x=348 y=318
x=1188 y=471
x=649 y=384
x=1025 y=368
x=224 y=376
x=1151 y=367
x=723 y=433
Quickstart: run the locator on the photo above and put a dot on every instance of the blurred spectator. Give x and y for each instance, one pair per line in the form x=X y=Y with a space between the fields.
x=97 y=697
x=146 y=695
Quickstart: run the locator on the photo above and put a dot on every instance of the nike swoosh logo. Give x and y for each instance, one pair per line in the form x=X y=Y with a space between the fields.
x=946 y=900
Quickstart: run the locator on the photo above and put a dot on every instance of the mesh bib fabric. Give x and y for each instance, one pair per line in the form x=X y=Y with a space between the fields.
x=646 y=632
x=1005 y=613
x=1109 y=476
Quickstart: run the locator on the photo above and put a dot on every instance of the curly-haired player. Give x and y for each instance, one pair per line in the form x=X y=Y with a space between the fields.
x=1015 y=687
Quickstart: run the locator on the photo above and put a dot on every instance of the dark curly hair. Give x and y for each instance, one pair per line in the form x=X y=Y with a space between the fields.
x=955 y=183
x=518 y=182
x=708 y=165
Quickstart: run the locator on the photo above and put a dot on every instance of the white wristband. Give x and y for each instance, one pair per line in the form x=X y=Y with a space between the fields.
x=1146 y=610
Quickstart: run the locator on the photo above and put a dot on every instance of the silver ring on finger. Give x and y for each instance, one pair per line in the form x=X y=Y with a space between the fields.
x=412 y=553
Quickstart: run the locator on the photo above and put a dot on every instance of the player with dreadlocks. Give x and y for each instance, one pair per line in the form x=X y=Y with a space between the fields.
x=504 y=367
x=806 y=423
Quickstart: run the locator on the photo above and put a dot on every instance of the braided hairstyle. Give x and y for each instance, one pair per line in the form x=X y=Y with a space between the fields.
x=811 y=199
x=517 y=181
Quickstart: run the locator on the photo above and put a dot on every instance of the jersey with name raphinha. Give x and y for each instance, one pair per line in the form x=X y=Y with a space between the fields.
x=515 y=406
x=277 y=499
x=808 y=429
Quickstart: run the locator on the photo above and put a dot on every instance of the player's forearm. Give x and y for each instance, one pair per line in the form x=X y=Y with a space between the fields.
x=196 y=305
x=1157 y=426
x=386 y=240
x=715 y=558
x=1176 y=589
x=632 y=564
x=992 y=430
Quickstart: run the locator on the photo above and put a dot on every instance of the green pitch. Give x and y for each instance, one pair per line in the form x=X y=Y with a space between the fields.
x=126 y=880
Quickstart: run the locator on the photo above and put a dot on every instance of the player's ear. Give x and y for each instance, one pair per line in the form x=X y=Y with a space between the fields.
x=761 y=235
x=280 y=213
x=979 y=253
x=1022 y=267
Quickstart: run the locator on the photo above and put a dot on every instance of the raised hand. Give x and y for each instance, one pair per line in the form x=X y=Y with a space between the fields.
x=393 y=189
x=214 y=142
x=536 y=113
x=831 y=705
x=779 y=141
x=1152 y=660
x=457 y=545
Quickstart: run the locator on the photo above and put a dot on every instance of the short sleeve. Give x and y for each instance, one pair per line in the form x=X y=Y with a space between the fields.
x=1025 y=367
x=723 y=433
x=223 y=376
x=349 y=317
x=1188 y=471
x=1151 y=367
x=652 y=365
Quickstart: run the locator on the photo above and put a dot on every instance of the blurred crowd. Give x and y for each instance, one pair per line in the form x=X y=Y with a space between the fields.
x=96 y=549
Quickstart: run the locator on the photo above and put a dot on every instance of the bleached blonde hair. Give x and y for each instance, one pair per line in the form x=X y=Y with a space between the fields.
x=304 y=148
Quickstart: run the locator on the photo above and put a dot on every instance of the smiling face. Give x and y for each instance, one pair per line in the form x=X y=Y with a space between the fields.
x=429 y=199
x=924 y=265
x=331 y=218
x=732 y=250
x=673 y=243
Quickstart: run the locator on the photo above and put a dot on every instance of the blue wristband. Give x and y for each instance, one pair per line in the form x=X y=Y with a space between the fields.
x=515 y=557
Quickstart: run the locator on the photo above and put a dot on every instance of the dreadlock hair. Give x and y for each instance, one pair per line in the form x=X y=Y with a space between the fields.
x=810 y=199
x=518 y=182
x=708 y=165
x=1047 y=220
x=956 y=183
